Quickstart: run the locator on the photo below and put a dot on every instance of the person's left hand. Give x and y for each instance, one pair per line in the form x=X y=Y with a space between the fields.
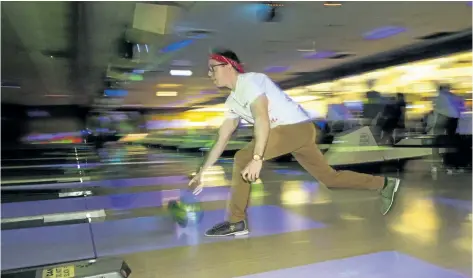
x=252 y=170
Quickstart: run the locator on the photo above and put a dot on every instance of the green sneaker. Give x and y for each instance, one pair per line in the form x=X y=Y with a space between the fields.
x=388 y=194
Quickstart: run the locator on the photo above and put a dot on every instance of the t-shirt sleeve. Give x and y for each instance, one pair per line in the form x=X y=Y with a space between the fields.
x=253 y=88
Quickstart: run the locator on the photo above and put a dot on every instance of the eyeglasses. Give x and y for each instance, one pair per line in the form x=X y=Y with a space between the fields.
x=212 y=67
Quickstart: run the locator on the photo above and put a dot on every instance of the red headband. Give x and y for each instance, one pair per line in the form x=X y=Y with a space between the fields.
x=226 y=60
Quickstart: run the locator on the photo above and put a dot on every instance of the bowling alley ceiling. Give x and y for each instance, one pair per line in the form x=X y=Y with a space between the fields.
x=67 y=52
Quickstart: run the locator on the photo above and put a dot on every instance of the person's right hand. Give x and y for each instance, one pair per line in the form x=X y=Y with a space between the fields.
x=196 y=184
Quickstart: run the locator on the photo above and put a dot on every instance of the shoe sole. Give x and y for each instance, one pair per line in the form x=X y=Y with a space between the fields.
x=396 y=187
x=242 y=233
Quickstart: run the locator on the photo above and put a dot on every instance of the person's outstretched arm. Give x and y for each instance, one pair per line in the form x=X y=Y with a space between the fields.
x=224 y=134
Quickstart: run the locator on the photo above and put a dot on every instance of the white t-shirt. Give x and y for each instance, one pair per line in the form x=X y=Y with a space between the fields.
x=282 y=109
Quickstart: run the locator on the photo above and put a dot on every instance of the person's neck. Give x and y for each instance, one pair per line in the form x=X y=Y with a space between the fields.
x=233 y=81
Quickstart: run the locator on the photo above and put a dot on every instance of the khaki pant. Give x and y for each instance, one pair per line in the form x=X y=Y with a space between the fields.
x=299 y=140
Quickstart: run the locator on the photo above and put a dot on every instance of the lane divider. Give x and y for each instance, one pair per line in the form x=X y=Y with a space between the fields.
x=85 y=216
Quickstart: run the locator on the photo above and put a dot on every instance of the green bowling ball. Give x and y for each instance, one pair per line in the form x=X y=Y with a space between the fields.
x=185 y=213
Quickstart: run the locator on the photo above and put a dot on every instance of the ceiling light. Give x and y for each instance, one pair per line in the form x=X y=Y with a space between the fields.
x=180 y=72
x=306 y=50
x=168 y=85
x=332 y=4
x=313 y=49
x=166 y=94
